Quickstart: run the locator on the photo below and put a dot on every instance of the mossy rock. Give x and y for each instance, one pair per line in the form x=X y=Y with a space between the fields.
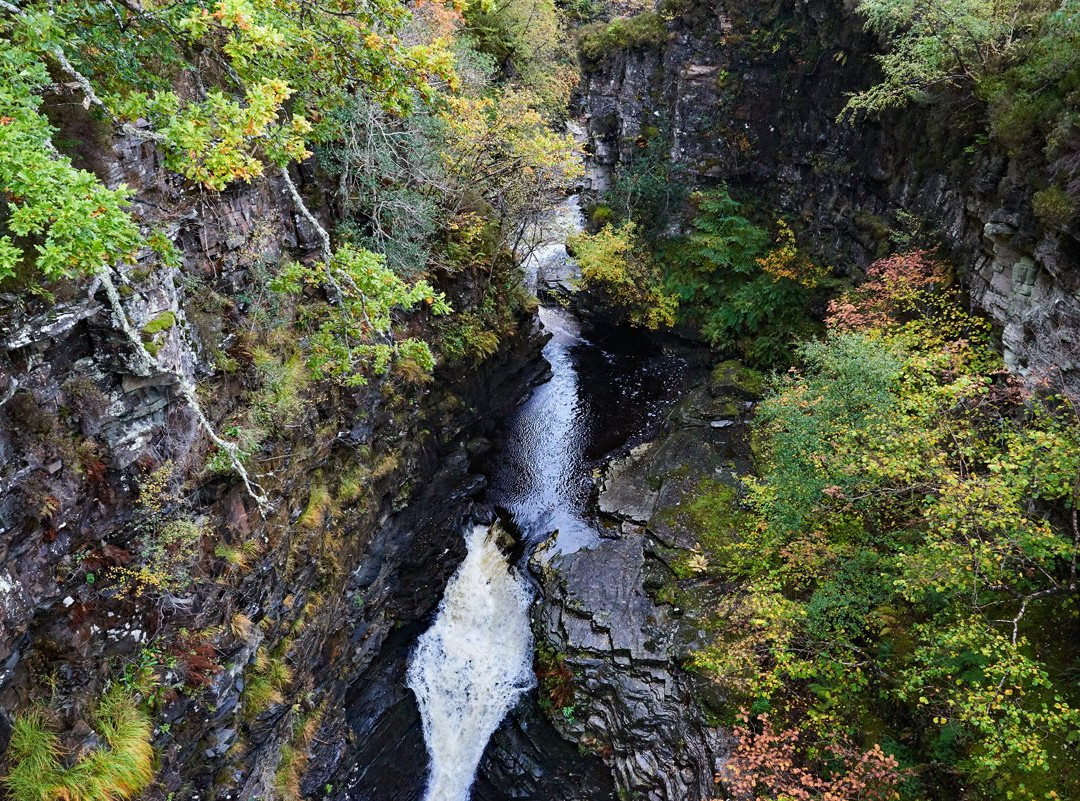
x=601 y=215
x=162 y=322
x=734 y=377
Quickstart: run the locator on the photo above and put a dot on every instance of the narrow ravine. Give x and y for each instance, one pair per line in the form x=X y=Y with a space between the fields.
x=475 y=660
x=543 y=484
x=604 y=390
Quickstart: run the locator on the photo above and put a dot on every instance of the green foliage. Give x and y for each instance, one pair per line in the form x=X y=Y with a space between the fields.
x=721 y=277
x=647 y=187
x=76 y=225
x=528 y=41
x=216 y=141
x=265 y=52
x=556 y=682
x=1023 y=60
x=739 y=293
x=933 y=46
x=614 y=261
x=853 y=382
x=500 y=148
x=467 y=337
x=226 y=89
x=913 y=512
x=352 y=337
x=120 y=769
x=391 y=183
x=623 y=33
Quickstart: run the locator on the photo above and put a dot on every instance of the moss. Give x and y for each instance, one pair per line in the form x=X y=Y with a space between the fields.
x=121 y=770
x=601 y=215
x=162 y=322
x=734 y=376
x=713 y=514
x=622 y=33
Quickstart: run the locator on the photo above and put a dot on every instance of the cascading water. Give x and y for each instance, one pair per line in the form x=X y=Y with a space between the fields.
x=471 y=666
x=475 y=661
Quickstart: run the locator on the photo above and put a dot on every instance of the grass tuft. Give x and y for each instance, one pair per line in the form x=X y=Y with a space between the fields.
x=121 y=770
x=318 y=509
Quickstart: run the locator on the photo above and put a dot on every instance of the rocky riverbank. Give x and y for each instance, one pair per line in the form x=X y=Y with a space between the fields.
x=610 y=637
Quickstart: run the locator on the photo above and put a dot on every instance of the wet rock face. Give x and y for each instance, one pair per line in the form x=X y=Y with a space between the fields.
x=529 y=759
x=598 y=612
x=749 y=95
x=81 y=431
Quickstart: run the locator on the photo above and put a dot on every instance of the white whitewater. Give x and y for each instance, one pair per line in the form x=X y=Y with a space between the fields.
x=471 y=666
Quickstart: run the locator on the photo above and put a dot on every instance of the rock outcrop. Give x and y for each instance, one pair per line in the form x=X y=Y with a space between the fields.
x=369 y=489
x=750 y=94
x=618 y=647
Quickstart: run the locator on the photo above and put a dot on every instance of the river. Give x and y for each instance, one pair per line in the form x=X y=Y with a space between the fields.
x=607 y=388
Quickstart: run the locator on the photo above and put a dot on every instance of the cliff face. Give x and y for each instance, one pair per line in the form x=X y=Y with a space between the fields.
x=258 y=623
x=749 y=93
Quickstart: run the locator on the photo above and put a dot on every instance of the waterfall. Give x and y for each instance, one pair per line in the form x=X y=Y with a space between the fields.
x=469 y=668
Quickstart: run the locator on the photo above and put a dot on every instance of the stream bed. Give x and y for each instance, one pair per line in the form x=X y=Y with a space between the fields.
x=607 y=388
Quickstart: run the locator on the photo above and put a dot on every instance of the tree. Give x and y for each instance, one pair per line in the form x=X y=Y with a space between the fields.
x=742 y=294
x=916 y=508
x=614 y=262
x=934 y=46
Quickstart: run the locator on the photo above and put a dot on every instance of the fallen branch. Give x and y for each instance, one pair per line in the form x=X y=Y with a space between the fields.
x=148 y=365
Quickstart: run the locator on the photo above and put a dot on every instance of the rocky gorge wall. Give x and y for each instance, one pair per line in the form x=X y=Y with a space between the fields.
x=749 y=93
x=251 y=657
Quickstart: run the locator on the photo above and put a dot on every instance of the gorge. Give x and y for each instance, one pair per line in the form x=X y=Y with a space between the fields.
x=422 y=401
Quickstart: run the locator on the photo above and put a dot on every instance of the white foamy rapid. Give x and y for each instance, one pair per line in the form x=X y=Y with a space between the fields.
x=469 y=668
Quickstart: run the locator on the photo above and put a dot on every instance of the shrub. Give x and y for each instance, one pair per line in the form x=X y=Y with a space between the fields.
x=647 y=187
x=78 y=224
x=528 y=40
x=742 y=293
x=622 y=33
x=908 y=538
x=772 y=764
x=120 y=770
x=1054 y=206
x=165 y=558
x=615 y=262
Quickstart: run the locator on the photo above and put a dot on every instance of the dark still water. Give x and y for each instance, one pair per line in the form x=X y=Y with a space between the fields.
x=609 y=388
